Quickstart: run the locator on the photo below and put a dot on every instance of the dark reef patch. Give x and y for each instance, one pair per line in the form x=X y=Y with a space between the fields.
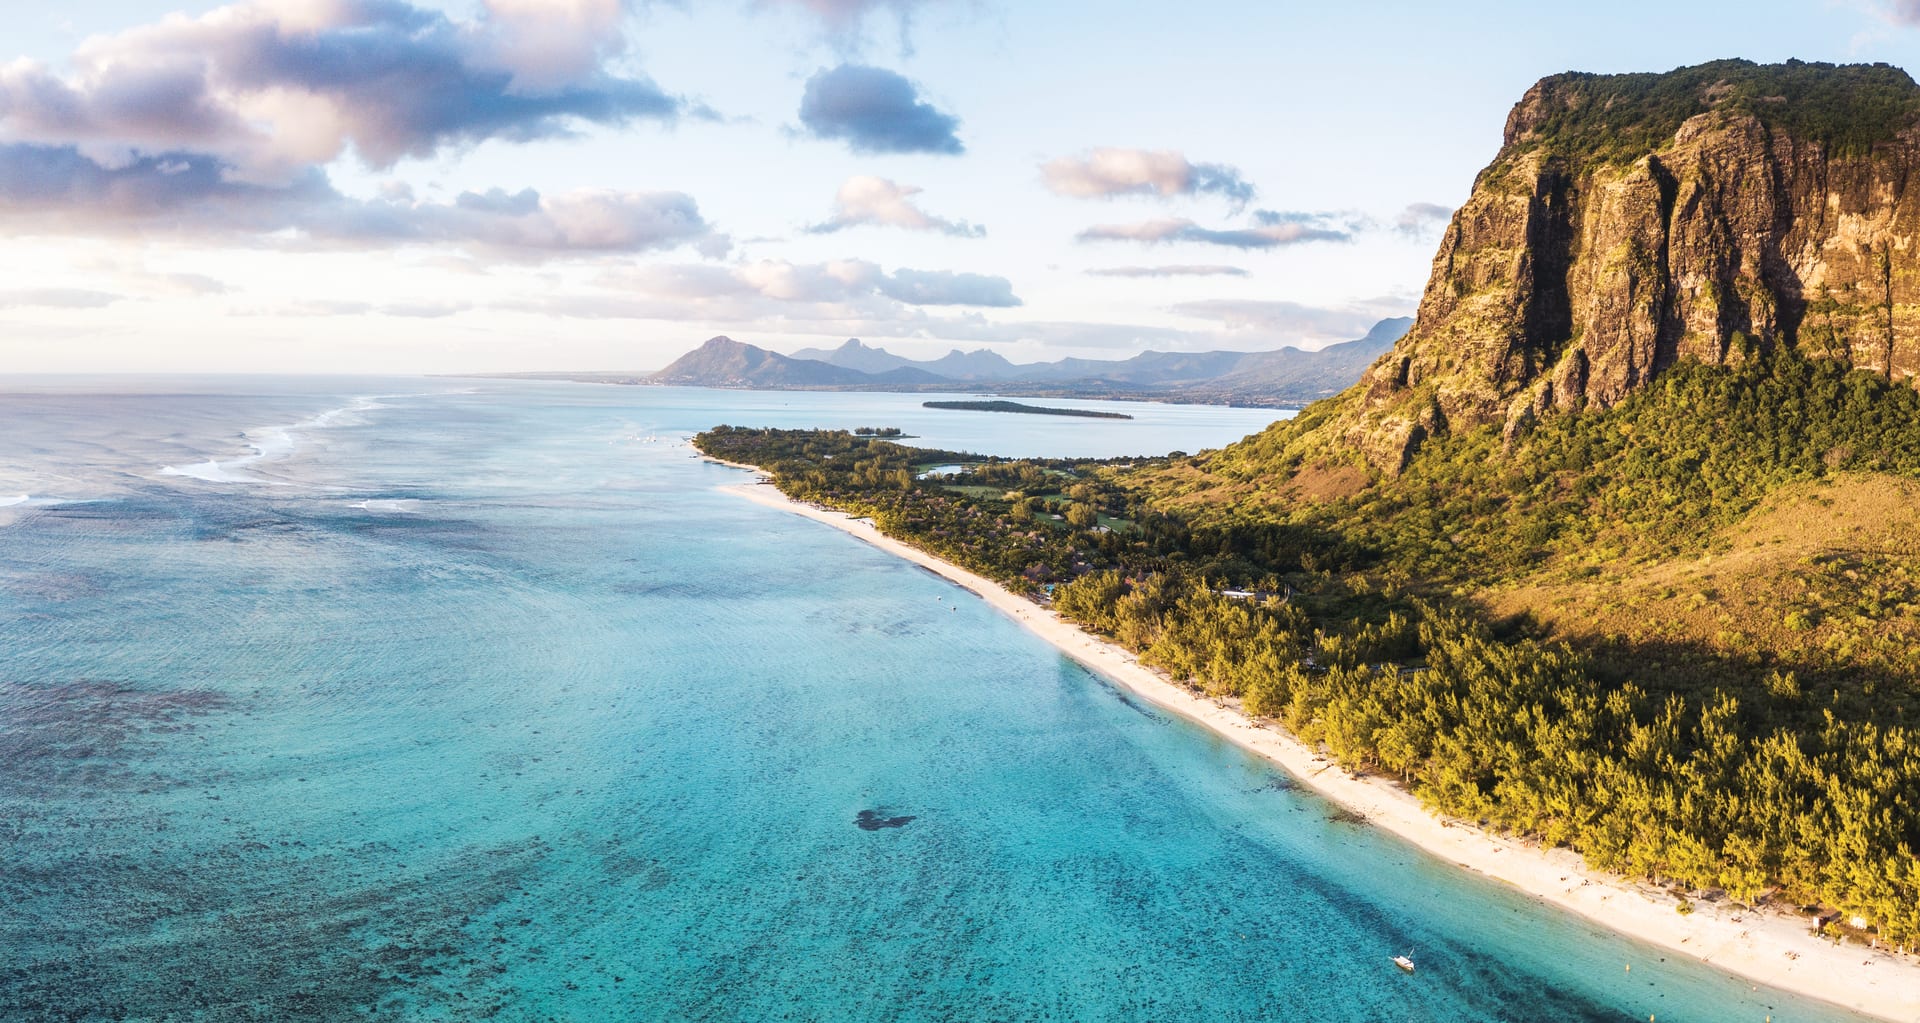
x=274 y=937
x=167 y=911
x=874 y=820
x=82 y=735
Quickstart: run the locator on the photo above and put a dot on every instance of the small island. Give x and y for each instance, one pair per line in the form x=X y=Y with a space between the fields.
x=1032 y=410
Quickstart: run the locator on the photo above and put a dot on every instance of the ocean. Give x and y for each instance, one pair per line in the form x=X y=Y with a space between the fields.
x=430 y=699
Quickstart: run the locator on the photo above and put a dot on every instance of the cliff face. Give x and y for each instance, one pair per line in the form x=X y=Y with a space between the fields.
x=1635 y=220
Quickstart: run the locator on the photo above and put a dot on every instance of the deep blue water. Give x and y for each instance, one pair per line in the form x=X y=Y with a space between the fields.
x=468 y=700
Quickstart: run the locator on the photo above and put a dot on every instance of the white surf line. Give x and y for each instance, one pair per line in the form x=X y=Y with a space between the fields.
x=270 y=444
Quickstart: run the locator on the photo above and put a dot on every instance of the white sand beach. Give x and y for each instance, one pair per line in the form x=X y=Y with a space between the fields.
x=1763 y=948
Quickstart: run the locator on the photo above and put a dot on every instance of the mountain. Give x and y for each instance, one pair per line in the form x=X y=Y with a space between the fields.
x=979 y=364
x=1655 y=433
x=1291 y=371
x=1285 y=376
x=1614 y=549
x=854 y=355
x=724 y=362
x=1319 y=373
x=1633 y=222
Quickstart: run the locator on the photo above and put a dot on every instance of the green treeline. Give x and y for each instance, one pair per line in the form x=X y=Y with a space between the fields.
x=1776 y=789
x=1017 y=522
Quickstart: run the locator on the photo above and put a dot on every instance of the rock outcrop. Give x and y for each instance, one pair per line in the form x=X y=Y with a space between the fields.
x=1632 y=221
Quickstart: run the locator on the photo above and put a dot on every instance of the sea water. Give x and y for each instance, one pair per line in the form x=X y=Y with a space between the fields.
x=442 y=700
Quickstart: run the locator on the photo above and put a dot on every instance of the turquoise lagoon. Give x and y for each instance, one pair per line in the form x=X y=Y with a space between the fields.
x=443 y=700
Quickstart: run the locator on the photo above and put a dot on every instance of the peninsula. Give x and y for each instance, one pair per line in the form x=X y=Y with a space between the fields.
x=1610 y=556
x=1031 y=410
x=1776 y=949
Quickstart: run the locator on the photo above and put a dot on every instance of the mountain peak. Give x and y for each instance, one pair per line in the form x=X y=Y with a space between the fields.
x=1287 y=375
x=1630 y=222
x=723 y=362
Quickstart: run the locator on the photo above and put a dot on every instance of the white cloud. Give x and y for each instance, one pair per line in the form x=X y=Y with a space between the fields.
x=58 y=190
x=838 y=281
x=271 y=88
x=864 y=200
x=843 y=23
x=57 y=298
x=1107 y=172
x=1419 y=219
x=1180 y=229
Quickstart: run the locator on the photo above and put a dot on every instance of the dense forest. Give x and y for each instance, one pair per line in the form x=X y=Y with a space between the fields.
x=1756 y=769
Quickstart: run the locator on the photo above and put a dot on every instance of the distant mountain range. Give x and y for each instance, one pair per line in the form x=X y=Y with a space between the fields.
x=1285 y=376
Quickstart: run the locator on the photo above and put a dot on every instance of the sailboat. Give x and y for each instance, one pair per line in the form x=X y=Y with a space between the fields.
x=1404 y=962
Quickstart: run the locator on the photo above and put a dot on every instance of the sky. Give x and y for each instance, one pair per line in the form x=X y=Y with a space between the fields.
x=401 y=186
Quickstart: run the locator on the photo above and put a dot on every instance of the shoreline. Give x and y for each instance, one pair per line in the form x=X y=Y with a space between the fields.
x=1765 y=948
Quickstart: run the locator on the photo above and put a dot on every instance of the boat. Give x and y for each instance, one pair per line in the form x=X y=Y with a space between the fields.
x=1404 y=962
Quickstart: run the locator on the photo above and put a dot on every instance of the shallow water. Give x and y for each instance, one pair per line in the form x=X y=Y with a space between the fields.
x=446 y=700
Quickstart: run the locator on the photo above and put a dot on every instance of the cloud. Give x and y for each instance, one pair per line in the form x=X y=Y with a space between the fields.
x=874 y=110
x=1904 y=12
x=1175 y=270
x=845 y=280
x=1272 y=231
x=58 y=189
x=273 y=88
x=865 y=200
x=188 y=284
x=553 y=44
x=56 y=298
x=843 y=22
x=841 y=15
x=848 y=296
x=1419 y=219
x=945 y=287
x=222 y=125
x=582 y=220
x=1283 y=320
x=348 y=307
x=1276 y=228
x=1108 y=172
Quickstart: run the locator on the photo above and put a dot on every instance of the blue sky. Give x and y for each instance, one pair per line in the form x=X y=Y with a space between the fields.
x=408 y=185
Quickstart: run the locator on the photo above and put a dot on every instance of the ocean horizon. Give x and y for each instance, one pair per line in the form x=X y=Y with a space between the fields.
x=439 y=699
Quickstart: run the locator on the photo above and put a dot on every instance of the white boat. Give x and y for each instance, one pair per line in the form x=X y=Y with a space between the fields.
x=1404 y=962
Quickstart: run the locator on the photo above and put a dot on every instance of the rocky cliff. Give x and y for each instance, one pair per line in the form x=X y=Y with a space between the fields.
x=1631 y=221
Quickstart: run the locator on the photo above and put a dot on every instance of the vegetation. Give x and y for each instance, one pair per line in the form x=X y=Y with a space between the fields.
x=1657 y=476
x=1610 y=118
x=1751 y=737
x=1032 y=410
x=888 y=432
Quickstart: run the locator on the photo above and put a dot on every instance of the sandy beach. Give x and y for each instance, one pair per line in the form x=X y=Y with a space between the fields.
x=1763 y=948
